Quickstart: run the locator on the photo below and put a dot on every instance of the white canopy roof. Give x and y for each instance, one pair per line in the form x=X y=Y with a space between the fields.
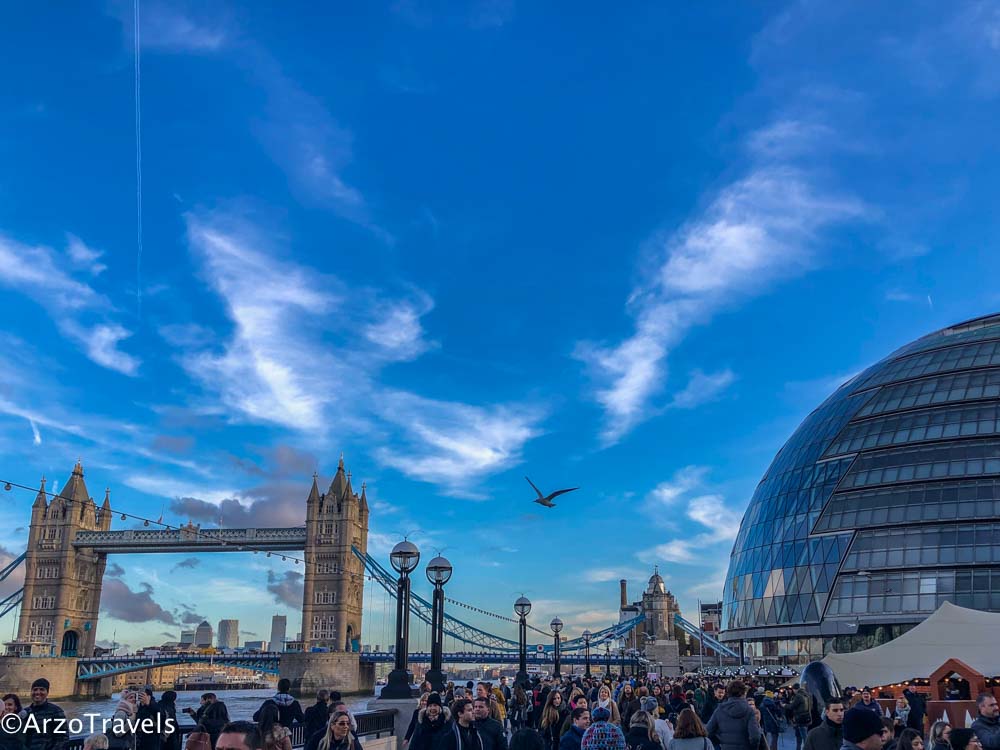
x=951 y=632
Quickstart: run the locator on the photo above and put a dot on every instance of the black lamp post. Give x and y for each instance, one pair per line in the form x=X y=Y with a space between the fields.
x=521 y=608
x=621 y=659
x=586 y=658
x=607 y=659
x=557 y=626
x=404 y=558
x=438 y=572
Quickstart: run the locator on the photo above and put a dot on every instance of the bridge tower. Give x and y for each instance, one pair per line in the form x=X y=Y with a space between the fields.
x=333 y=590
x=62 y=584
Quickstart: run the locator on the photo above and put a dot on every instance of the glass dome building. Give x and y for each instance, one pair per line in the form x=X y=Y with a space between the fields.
x=883 y=504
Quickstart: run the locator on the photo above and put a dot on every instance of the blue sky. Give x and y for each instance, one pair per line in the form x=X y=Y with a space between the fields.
x=463 y=242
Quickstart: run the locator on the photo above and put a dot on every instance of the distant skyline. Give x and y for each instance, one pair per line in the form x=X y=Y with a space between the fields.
x=462 y=244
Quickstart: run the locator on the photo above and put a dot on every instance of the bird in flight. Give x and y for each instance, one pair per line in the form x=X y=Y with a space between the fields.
x=546 y=500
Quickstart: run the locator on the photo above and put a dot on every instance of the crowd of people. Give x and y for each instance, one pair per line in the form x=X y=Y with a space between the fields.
x=571 y=713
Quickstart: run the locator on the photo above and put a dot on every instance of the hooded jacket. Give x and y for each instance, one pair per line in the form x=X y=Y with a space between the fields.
x=457 y=737
x=49 y=740
x=427 y=734
x=572 y=739
x=733 y=726
x=289 y=709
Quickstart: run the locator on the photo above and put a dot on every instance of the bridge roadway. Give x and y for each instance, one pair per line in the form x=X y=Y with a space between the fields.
x=192 y=539
x=95 y=668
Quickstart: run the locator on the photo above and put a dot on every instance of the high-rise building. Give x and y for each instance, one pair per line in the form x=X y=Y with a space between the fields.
x=187 y=638
x=279 y=624
x=229 y=634
x=203 y=635
x=882 y=506
x=255 y=645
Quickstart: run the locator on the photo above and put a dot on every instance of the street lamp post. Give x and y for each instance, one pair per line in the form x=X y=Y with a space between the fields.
x=521 y=608
x=607 y=659
x=557 y=626
x=621 y=660
x=404 y=558
x=586 y=658
x=438 y=573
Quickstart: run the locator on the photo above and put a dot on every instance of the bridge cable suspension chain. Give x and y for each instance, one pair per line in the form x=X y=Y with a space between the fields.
x=708 y=640
x=12 y=601
x=493 y=614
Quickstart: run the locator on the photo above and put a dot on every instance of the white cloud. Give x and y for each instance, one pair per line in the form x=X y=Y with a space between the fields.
x=711 y=512
x=605 y=575
x=703 y=388
x=171 y=488
x=80 y=312
x=683 y=481
x=293 y=357
x=453 y=444
x=170 y=27
x=36 y=436
x=84 y=257
x=758 y=230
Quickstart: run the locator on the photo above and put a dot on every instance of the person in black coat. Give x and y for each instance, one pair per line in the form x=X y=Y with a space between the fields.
x=918 y=710
x=432 y=723
x=148 y=734
x=168 y=705
x=316 y=716
x=490 y=730
x=640 y=735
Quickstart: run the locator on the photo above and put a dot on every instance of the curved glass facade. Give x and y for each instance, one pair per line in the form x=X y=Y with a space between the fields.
x=883 y=504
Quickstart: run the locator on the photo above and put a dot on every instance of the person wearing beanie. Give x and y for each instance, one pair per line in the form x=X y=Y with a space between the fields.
x=862 y=730
x=120 y=736
x=43 y=710
x=868 y=702
x=830 y=733
x=964 y=739
x=603 y=735
x=663 y=728
x=432 y=722
x=770 y=719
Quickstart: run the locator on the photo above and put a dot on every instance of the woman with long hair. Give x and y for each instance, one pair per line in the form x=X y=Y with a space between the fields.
x=690 y=733
x=520 y=703
x=641 y=733
x=604 y=700
x=272 y=733
x=338 y=733
x=910 y=739
x=553 y=716
x=940 y=735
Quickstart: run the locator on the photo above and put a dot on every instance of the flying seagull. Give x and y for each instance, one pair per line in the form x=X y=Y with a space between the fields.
x=546 y=500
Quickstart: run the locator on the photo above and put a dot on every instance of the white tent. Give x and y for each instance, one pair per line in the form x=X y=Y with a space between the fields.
x=951 y=632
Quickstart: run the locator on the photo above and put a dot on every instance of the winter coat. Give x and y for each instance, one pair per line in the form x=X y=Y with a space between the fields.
x=350 y=742
x=799 y=709
x=492 y=735
x=15 y=740
x=316 y=716
x=827 y=736
x=212 y=717
x=770 y=717
x=51 y=740
x=572 y=740
x=690 y=743
x=733 y=726
x=172 y=740
x=627 y=708
x=988 y=732
x=918 y=709
x=152 y=739
x=709 y=708
x=551 y=732
x=457 y=737
x=874 y=707
x=289 y=709
x=638 y=739
x=427 y=734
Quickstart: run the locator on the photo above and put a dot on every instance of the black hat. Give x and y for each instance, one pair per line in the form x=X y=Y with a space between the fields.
x=433 y=699
x=860 y=724
x=959 y=738
x=41 y=682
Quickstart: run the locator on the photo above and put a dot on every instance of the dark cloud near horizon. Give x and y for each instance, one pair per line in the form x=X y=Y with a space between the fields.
x=122 y=603
x=191 y=618
x=287 y=588
x=168 y=634
x=248 y=632
x=280 y=504
x=188 y=562
x=15 y=580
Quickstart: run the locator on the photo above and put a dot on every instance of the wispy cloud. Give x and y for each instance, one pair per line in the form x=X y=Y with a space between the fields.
x=762 y=228
x=175 y=27
x=84 y=257
x=683 y=481
x=82 y=314
x=293 y=358
x=703 y=388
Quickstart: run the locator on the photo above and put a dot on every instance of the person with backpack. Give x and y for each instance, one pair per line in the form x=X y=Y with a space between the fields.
x=799 y=710
x=733 y=725
x=771 y=720
x=289 y=709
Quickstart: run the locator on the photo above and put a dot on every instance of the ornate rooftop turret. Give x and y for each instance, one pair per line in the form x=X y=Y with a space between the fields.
x=314 y=491
x=338 y=487
x=40 y=500
x=364 y=499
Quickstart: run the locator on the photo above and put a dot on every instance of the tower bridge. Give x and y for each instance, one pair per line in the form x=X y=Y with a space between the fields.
x=70 y=538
